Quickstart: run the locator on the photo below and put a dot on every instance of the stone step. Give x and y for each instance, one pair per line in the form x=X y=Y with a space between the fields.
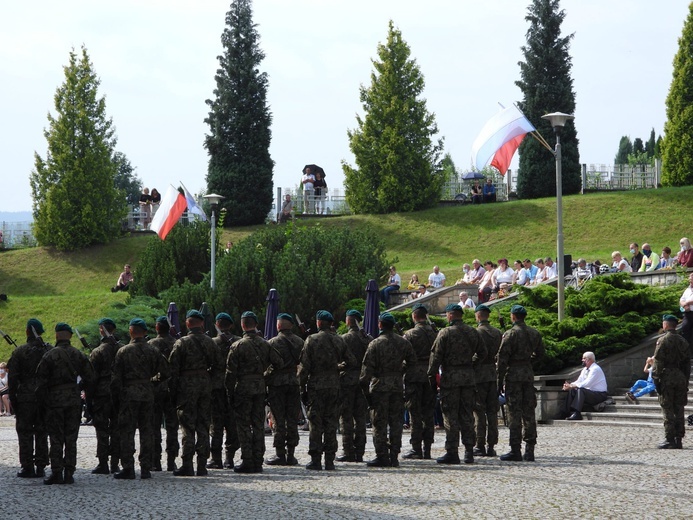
x=623 y=416
x=616 y=423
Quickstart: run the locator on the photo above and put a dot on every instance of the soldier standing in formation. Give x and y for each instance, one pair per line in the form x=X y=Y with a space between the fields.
x=57 y=374
x=248 y=360
x=520 y=345
x=164 y=409
x=420 y=399
x=136 y=364
x=283 y=392
x=353 y=411
x=192 y=359
x=104 y=407
x=223 y=417
x=387 y=357
x=671 y=372
x=30 y=420
x=453 y=351
x=324 y=355
x=486 y=378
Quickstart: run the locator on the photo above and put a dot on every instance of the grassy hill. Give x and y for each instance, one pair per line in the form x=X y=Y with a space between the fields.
x=74 y=287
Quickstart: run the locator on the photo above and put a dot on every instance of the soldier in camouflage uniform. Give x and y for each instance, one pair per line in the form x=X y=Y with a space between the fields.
x=486 y=378
x=283 y=392
x=223 y=416
x=249 y=359
x=671 y=372
x=57 y=388
x=353 y=412
x=104 y=407
x=164 y=408
x=30 y=423
x=520 y=345
x=324 y=355
x=136 y=364
x=387 y=358
x=193 y=359
x=420 y=399
x=453 y=350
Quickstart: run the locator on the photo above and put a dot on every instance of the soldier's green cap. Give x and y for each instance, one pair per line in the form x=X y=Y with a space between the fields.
x=453 y=307
x=249 y=315
x=670 y=317
x=138 y=322
x=324 y=316
x=224 y=316
x=63 y=327
x=482 y=307
x=107 y=321
x=38 y=326
x=195 y=314
x=286 y=316
x=354 y=314
x=388 y=318
x=162 y=319
x=518 y=310
x=419 y=307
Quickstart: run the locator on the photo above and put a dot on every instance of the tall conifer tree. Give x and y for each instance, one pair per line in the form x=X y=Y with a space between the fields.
x=240 y=166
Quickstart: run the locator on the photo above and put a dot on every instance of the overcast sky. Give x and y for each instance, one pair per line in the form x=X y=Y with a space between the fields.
x=156 y=60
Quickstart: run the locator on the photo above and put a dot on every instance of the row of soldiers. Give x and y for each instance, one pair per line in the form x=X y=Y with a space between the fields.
x=215 y=391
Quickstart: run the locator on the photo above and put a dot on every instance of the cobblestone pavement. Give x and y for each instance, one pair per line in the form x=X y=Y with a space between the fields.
x=581 y=471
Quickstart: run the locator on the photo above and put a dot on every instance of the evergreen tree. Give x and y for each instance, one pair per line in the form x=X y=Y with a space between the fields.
x=449 y=169
x=397 y=160
x=126 y=180
x=75 y=200
x=638 y=146
x=677 y=147
x=651 y=144
x=547 y=87
x=625 y=148
x=240 y=166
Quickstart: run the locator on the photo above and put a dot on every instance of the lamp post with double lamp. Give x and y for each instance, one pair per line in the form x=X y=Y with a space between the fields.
x=558 y=121
x=214 y=201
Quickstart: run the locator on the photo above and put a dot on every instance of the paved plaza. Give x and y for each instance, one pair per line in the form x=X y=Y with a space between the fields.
x=581 y=471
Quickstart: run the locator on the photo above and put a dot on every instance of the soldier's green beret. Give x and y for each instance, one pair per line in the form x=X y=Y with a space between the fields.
x=324 y=316
x=138 y=322
x=249 y=315
x=107 y=321
x=482 y=307
x=286 y=316
x=63 y=327
x=162 y=319
x=453 y=307
x=38 y=326
x=354 y=314
x=670 y=317
x=195 y=314
x=518 y=310
x=419 y=307
x=224 y=316
x=388 y=318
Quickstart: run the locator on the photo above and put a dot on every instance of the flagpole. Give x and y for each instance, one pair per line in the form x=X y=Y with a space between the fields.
x=214 y=201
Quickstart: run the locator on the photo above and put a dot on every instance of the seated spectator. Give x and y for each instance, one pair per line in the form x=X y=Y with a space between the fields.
x=582 y=271
x=520 y=277
x=620 y=264
x=503 y=276
x=650 y=259
x=685 y=257
x=124 y=280
x=541 y=271
x=5 y=407
x=477 y=193
x=666 y=261
x=436 y=279
x=393 y=283
x=589 y=388
x=478 y=271
x=531 y=271
x=486 y=285
x=489 y=191
x=465 y=301
x=642 y=387
x=414 y=283
x=468 y=275
x=636 y=260
x=421 y=292
x=287 y=208
x=551 y=268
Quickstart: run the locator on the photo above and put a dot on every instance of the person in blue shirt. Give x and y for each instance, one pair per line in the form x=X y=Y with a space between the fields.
x=489 y=191
x=642 y=387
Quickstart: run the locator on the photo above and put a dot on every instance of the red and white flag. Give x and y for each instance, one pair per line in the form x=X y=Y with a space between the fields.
x=170 y=210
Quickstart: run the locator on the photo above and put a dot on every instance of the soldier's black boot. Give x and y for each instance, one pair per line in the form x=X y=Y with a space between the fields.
x=290 y=456
x=469 y=455
x=669 y=444
x=186 y=470
x=380 y=461
x=156 y=465
x=315 y=462
x=329 y=461
x=102 y=468
x=529 y=453
x=228 y=460
x=145 y=474
x=346 y=457
x=278 y=460
x=115 y=461
x=201 y=466
x=125 y=474
x=27 y=472
x=246 y=466
x=68 y=478
x=394 y=461
x=490 y=452
x=40 y=472
x=515 y=454
x=55 y=478
x=450 y=457
x=171 y=463
x=679 y=443
x=414 y=453
x=358 y=457
x=215 y=461
x=480 y=450
x=427 y=451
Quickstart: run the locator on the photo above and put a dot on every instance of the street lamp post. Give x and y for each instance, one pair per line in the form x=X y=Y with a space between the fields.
x=214 y=201
x=558 y=121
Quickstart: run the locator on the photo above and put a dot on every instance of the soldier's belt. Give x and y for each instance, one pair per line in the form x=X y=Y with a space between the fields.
x=423 y=361
x=250 y=376
x=466 y=365
x=62 y=386
x=130 y=382
x=289 y=370
x=518 y=363
x=198 y=372
x=395 y=374
x=490 y=363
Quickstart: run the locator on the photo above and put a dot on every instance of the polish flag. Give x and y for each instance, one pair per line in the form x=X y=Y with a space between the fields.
x=507 y=127
x=170 y=210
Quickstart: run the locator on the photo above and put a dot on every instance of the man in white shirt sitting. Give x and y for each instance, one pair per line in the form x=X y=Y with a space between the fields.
x=436 y=279
x=590 y=388
x=551 y=268
x=478 y=271
x=465 y=301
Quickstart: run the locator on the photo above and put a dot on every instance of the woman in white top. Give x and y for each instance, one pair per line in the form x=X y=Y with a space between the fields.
x=4 y=391
x=542 y=274
x=503 y=276
x=620 y=264
x=486 y=282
